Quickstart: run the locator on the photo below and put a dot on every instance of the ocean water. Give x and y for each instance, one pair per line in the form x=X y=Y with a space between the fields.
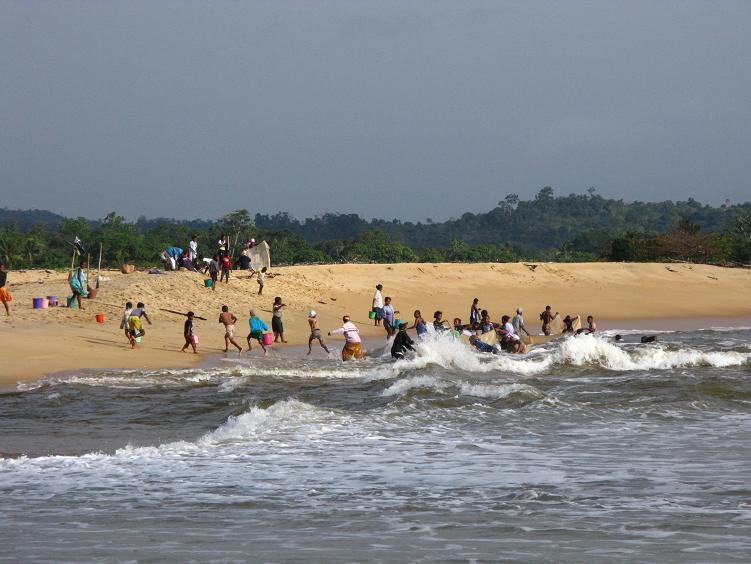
x=581 y=450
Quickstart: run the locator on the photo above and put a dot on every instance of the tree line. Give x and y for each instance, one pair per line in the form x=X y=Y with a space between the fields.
x=583 y=227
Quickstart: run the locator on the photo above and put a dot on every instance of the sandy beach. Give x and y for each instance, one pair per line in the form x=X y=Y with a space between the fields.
x=44 y=341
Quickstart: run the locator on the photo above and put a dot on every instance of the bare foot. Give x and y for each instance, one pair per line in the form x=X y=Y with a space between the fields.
x=226 y=350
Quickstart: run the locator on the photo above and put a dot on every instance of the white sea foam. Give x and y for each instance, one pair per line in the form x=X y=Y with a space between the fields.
x=253 y=426
x=448 y=352
x=125 y=379
x=580 y=350
x=588 y=349
x=402 y=386
x=489 y=390
x=499 y=391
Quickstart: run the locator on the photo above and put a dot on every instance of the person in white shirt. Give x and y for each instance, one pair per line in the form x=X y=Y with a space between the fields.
x=193 y=249
x=124 y=320
x=353 y=344
x=378 y=304
x=512 y=340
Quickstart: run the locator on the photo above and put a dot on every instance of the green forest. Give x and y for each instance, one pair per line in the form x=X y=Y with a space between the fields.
x=573 y=228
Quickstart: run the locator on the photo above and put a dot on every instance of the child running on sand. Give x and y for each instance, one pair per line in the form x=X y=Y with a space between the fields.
x=315 y=332
x=257 y=328
x=5 y=296
x=228 y=319
x=188 y=334
x=261 y=280
x=124 y=320
x=134 y=323
x=276 y=321
x=353 y=345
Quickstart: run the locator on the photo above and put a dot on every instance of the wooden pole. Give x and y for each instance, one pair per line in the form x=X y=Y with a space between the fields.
x=99 y=268
x=72 y=264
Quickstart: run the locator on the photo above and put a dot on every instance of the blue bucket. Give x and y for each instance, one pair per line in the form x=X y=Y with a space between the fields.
x=38 y=303
x=207 y=282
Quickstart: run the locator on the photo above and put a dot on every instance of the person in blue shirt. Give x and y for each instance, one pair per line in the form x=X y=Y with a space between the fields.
x=257 y=329
x=480 y=345
x=388 y=318
x=420 y=325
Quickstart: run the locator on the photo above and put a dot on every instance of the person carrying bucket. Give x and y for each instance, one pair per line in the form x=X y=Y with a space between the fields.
x=134 y=324
x=257 y=330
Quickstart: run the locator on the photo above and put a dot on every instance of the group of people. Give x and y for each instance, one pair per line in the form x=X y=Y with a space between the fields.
x=258 y=328
x=510 y=331
x=219 y=266
x=132 y=325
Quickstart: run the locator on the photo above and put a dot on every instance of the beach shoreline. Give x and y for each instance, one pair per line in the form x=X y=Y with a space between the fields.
x=621 y=296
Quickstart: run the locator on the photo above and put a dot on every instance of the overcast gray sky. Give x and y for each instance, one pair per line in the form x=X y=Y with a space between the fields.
x=387 y=109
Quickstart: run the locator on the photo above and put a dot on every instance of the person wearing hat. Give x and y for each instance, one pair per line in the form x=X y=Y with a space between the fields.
x=518 y=323
x=353 y=345
x=402 y=342
x=257 y=329
x=315 y=333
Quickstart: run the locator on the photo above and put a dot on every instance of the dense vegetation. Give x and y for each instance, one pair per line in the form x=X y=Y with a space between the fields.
x=570 y=228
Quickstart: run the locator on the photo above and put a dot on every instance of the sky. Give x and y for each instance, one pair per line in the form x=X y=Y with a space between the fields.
x=408 y=110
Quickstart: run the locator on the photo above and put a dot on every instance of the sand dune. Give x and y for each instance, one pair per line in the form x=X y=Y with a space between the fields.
x=43 y=341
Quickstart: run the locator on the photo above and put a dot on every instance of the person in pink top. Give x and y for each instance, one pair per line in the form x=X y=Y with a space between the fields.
x=353 y=344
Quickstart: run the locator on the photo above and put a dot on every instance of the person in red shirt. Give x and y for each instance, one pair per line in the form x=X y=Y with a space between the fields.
x=226 y=267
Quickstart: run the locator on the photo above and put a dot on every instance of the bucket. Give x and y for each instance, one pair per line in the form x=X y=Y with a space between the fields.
x=92 y=293
x=268 y=338
x=37 y=302
x=397 y=322
x=194 y=339
x=45 y=303
x=207 y=282
x=371 y=314
x=71 y=301
x=138 y=339
x=100 y=318
x=52 y=301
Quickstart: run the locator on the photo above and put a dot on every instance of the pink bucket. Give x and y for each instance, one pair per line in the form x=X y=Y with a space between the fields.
x=268 y=338
x=194 y=339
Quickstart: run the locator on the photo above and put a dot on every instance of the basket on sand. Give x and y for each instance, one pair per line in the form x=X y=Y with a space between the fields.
x=127 y=268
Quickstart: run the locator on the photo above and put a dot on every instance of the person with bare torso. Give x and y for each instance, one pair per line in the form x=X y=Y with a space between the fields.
x=315 y=332
x=547 y=318
x=228 y=319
